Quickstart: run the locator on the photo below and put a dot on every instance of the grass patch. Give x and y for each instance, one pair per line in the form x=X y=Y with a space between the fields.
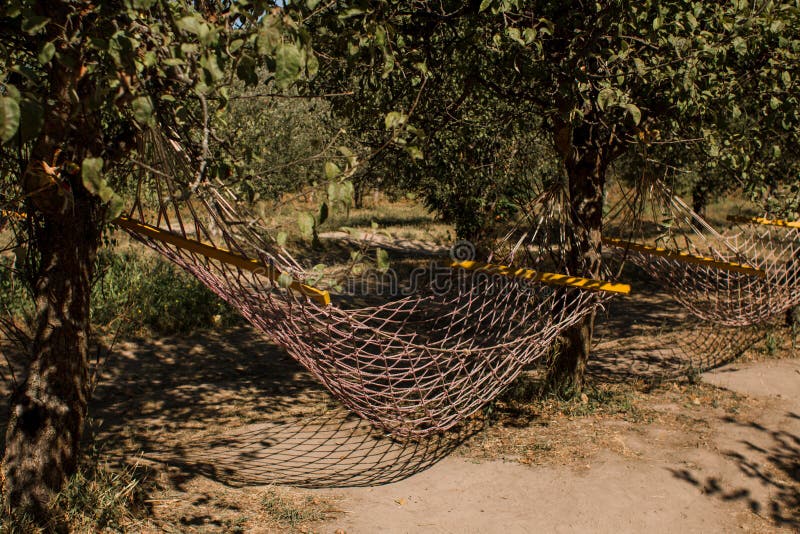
x=528 y=399
x=150 y=293
x=14 y=298
x=294 y=510
x=97 y=498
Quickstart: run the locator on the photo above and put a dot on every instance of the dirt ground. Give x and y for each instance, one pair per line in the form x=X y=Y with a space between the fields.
x=724 y=470
x=230 y=435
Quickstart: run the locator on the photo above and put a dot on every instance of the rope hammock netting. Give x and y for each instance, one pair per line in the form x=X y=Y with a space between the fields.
x=730 y=285
x=773 y=246
x=334 y=449
x=412 y=364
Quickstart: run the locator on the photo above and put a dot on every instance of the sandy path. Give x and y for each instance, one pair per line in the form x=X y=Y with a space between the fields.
x=745 y=479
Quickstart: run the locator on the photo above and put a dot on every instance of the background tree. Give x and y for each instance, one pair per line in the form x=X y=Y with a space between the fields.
x=79 y=80
x=714 y=83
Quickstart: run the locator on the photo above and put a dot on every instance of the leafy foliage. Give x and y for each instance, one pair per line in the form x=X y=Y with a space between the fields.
x=112 y=68
x=709 y=88
x=146 y=292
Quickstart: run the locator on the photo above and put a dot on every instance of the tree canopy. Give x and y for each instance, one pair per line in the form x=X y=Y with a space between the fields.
x=710 y=87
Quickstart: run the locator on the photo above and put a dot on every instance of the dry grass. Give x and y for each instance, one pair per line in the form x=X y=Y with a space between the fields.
x=550 y=431
x=203 y=506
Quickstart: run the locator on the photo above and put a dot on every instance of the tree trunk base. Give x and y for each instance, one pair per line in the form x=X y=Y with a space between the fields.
x=567 y=373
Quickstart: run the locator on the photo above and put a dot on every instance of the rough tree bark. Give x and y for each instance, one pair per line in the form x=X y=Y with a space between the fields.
x=585 y=166
x=48 y=407
x=699 y=199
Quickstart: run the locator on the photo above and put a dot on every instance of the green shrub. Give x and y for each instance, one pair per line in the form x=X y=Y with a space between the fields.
x=154 y=294
x=135 y=291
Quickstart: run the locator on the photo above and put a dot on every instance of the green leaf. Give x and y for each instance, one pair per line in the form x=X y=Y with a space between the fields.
x=46 y=53
x=312 y=65
x=352 y=159
x=92 y=175
x=640 y=66
x=305 y=221
x=115 y=207
x=281 y=239
x=311 y=4
x=142 y=110
x=415 y=152
x=485 y=5
x=606 y=97
x=236 y=44
x=285 y=280
x=347 y=192
x=288 y=64
x=657 y=23
x=395 y=119
x=190 y=24
x=333 y=192
x=9 y=118
x=739 y=45
x=93 y=181
x=331 y=170
x=515 y=35
x=382 y=259
x=634 y=112
x=33 y=24
x=690 y=18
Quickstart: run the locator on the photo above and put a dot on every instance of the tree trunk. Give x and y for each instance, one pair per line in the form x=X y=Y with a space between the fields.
x=48 y=407
x=585 y=168
x=699 y=200
x=793 y=318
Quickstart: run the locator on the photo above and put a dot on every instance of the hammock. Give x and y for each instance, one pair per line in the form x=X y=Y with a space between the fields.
x=415 y=363
x=717 y=278
x=774 y=246
x=731 y=286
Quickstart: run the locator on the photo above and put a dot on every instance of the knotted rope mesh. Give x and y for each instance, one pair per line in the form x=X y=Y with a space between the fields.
x=704 y=270
x=773 y=246
x=731 y=287
x=413 y=363
x=334 y=449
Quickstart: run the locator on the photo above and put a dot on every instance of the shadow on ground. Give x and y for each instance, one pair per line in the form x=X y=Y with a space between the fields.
x=651 y=337
x=770 y=460
x=235 y=408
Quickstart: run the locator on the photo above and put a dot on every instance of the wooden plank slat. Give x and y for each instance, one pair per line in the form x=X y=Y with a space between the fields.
x=684 y=257
x=543 y=277
x=222 y=255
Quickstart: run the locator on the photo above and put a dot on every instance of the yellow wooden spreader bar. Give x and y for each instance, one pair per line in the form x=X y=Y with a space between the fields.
x=220 y=254
x=764 y=221
x=12 y=214
x=545 y=278
x=684 y=257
